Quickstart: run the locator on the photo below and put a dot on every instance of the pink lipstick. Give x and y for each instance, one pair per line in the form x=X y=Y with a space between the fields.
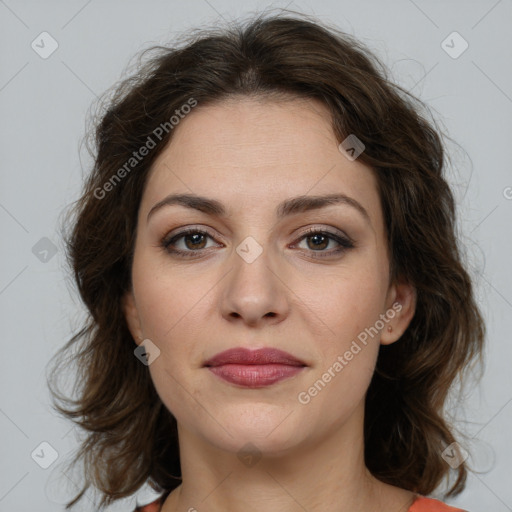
x=254 y=368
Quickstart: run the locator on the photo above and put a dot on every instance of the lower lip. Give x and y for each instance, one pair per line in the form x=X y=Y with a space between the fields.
x=255 y=375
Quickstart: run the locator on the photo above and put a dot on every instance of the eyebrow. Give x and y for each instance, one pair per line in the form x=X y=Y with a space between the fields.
x=286 y=208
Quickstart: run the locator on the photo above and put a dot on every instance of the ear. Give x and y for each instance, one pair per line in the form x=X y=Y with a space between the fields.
x=132 y=316
x=400 y=309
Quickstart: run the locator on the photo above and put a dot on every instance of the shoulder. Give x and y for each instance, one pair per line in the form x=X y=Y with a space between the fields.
x=154 y=506
x=422 y=504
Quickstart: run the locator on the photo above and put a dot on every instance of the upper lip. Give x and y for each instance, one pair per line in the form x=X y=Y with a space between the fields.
x=247 y=356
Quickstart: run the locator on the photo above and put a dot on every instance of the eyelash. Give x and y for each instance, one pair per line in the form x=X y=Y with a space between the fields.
x=344 y=243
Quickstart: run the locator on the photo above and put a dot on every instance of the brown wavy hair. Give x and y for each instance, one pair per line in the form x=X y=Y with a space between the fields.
x=131 y=437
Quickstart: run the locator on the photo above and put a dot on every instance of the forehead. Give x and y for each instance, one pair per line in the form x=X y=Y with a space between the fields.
x=249 y=152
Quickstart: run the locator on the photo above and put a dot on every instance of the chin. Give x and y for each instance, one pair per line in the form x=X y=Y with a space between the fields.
x=254 y=441
x=269 y=427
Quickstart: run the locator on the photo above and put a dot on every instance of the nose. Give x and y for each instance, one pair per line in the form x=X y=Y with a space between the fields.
x=255 y=292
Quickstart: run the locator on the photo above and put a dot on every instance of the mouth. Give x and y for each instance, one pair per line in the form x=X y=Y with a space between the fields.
x=254 y=368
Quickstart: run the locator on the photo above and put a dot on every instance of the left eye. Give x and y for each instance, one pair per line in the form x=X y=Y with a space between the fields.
x=317 y=241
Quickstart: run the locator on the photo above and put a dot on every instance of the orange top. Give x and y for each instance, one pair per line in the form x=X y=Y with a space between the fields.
x=421 y=504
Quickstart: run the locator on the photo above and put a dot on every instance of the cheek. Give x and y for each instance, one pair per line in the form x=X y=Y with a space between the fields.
x=166 y=299
x=169 y=315
x=343 y=304
x=346 y=309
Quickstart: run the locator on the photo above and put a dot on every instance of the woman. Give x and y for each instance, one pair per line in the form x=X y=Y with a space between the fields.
x=278 y=306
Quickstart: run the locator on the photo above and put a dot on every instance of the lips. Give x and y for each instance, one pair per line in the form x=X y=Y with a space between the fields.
x=254 y=368
x=254 y=357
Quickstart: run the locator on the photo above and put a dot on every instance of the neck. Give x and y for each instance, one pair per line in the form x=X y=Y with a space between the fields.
x=327 y=475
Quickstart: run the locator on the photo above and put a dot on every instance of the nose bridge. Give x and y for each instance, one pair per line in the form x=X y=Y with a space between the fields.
x=254 y=291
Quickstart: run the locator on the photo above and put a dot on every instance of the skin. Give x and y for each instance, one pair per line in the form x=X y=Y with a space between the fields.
x=251 y=154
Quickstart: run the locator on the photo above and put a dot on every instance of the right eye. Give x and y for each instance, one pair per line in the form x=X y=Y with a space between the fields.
x=193 y=239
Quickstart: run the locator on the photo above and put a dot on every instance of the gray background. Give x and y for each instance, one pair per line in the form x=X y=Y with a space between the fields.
x=44 y=104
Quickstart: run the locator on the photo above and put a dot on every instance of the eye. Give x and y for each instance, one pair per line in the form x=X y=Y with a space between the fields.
x=318 y=240
x=193 y=239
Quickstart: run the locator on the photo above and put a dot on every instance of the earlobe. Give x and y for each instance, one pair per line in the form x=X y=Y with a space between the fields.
x=400 y=312
x=132 y=317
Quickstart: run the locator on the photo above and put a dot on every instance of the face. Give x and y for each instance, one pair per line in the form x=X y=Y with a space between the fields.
x=255 y=270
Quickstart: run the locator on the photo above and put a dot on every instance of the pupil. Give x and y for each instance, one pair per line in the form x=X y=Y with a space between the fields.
x=317 y=237
x=196 y=239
